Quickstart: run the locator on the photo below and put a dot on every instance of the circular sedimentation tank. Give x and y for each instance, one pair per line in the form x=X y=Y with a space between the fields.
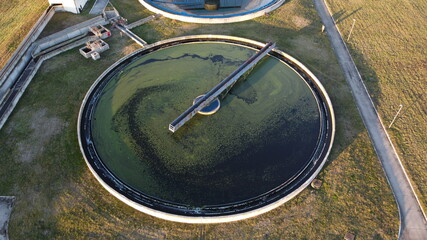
x=266 y=143
x=212 y=11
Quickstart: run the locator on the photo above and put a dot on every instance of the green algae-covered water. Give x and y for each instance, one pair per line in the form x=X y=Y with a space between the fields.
x=262 y=136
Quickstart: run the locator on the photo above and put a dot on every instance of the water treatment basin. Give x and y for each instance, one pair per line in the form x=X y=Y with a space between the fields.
x=265 y=144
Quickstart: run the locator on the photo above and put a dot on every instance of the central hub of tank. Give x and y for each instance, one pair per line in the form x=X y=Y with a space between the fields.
x=212 y=5
x=212 y=108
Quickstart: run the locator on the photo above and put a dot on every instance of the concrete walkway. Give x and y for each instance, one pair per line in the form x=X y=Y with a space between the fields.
x=98 y=7
x=413 y=224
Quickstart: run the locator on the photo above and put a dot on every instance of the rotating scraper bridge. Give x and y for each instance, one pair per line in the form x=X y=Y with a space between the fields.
x=223 y=87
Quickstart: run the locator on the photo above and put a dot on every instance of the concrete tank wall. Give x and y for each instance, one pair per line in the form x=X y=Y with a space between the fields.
x=73 y=6
x=185 y=17
x=67 y=34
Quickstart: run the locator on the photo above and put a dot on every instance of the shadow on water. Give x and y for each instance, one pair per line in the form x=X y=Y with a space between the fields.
x=242 y=85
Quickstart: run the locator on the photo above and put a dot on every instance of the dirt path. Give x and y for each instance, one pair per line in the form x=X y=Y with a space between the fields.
x=6 y=204
x=413 y=223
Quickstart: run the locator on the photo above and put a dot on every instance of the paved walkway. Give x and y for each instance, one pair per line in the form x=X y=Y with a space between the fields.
x=98 y=7
x=413 y=224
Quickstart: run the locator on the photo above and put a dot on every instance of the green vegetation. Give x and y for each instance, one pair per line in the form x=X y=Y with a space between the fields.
x=57 y=196
x=62 y=20
x=388 y=44
x=19 y=16
x=17 y=19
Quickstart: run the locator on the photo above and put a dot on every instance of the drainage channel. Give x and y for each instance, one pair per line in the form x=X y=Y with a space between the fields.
x=30 y=56
x=18 y=87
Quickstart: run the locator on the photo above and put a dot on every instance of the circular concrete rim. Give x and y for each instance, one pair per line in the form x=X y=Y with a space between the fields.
x=224 y=218
x=217 y=19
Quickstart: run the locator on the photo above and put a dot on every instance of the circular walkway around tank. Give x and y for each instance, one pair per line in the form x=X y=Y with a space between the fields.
x=197 y=212
x=249 y=10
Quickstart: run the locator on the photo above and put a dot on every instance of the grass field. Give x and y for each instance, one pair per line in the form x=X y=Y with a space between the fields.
x=62 y=20
x=17 y=18
x=388 y=44
x=57 y=196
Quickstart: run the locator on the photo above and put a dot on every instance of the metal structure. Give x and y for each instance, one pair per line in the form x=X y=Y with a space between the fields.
x=223 y=87
x=94 y=48
x=130 y=34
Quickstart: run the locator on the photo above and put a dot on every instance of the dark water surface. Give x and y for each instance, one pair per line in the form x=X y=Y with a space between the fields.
x=262 y=136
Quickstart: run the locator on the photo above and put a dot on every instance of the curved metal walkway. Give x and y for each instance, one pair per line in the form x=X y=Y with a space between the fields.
x=413 y=224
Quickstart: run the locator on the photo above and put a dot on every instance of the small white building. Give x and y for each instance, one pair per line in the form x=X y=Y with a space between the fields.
x=74 y=6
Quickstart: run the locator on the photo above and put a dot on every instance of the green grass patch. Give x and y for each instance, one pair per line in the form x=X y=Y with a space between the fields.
x=17 y=19
x=388 y=44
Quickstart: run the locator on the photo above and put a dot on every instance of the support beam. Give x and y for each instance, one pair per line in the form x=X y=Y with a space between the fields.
x=132 y=35
x=223 y=86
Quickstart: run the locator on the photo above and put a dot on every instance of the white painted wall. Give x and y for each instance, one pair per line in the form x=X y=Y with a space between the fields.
x=73 y=6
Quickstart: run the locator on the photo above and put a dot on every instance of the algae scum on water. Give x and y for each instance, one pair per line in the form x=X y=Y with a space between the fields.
x=262 y=136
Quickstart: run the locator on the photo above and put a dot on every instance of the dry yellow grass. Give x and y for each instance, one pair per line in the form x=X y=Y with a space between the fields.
x=389 y=45
x=17 y=18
